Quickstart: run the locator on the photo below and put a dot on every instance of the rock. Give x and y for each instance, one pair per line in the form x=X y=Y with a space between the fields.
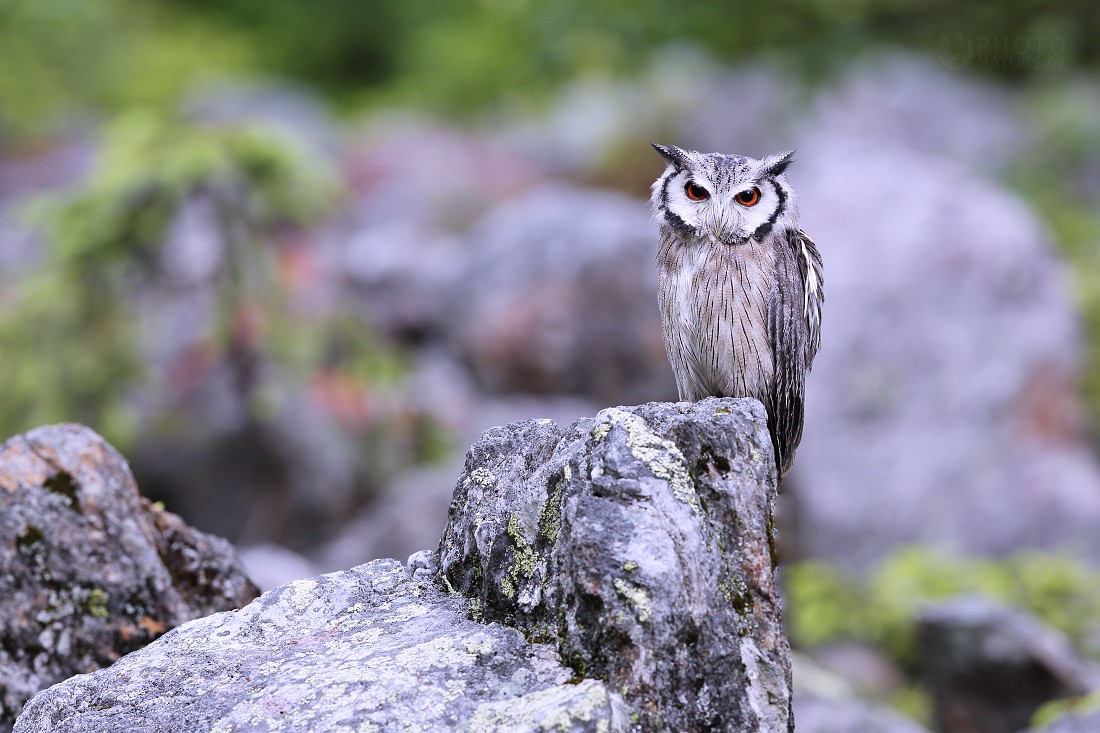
x=870 y=671
x=640 y=540
x=559 y=296
x=848 y=715
x=600 y=127
x=403 y=261
x=1072 y=723
x=409 y=511
x=950 y=353
x=366 y=649
x=91 y=570
x=270 y=565
x=901 y=100
x=826 y=700
x=990 y=667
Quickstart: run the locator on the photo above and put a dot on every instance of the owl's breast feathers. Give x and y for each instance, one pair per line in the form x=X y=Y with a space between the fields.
x=744 y=321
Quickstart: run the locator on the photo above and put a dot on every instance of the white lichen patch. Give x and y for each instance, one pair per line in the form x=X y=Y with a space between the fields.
x=558 y=708
x=444 y=651
x=407 y=612
x=637 y=597
x=483 y=477
x=300 y=594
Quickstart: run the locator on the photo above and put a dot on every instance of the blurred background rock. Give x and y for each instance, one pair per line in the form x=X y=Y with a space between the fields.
x=291 y=258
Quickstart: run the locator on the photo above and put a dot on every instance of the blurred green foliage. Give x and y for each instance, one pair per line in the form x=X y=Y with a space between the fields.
x=72 y=322
x=1055 y=709
x=462 y=56
x=825 y=605
x=1055 y=178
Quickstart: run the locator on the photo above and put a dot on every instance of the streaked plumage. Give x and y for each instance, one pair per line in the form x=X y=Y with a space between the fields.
x=741 y=285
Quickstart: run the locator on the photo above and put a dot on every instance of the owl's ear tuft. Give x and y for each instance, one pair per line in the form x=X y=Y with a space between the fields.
x=672 y=154
x=775 y=164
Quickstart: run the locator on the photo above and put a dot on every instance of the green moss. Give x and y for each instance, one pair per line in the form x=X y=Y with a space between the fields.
x=550 y=517
x=914 y=702
x=97 y=603
x=1055 y=709
x=524 y=559
x=825 y=604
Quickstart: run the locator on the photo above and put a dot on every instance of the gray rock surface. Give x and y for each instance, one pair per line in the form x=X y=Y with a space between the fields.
x=559 y=295
x=92 y=571
x=827 y=700
x=848 y=715
x=367 y=649
x=990 y=667
x=949 y=358
x=640 y=540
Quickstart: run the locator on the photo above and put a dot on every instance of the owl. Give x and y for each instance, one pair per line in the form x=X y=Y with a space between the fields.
x=740 y=285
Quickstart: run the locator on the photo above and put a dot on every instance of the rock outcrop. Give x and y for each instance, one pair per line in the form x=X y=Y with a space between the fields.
x=640 y=541
x=615 y=575
x=91 y=570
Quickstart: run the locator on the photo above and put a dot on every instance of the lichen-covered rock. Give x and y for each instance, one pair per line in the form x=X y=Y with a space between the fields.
x=367 y=649
x=990 y=667
x=639 y=541
x=90 y=570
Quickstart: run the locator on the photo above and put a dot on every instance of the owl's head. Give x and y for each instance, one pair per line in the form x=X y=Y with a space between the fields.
x=725 y=198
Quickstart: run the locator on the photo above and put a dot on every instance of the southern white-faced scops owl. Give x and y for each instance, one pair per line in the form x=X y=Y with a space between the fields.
x=740 y=285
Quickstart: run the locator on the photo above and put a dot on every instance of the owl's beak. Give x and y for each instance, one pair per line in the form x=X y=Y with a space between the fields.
x=722 y=227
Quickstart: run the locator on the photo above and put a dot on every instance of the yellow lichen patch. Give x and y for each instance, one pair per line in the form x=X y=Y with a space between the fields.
x=524 y=562
x=661 y=456
x=637 y=598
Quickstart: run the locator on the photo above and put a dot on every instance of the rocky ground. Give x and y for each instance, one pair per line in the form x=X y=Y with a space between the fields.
x=505 y=271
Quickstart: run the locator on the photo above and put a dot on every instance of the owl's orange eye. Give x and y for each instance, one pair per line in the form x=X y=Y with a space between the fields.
x=696 y=192
x=748 y=198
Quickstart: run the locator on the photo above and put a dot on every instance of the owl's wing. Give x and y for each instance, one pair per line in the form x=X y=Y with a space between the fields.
x=794 y=328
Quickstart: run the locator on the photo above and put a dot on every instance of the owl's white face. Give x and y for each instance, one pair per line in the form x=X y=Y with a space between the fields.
x=723 y=198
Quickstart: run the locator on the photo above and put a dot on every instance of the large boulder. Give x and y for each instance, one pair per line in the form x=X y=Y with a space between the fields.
x=559 y=295
x=640 y=541
x=91 y=570
x=942 y=408
x=364 y=649
x=990 y=667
